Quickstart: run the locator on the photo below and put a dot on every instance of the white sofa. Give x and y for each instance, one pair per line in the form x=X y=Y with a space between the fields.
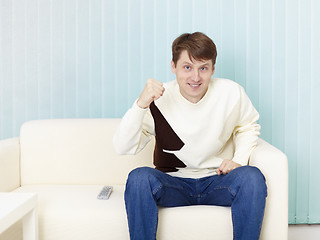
x=66 y=162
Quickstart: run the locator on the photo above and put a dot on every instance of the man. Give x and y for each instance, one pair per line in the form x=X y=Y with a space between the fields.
x=192 y=119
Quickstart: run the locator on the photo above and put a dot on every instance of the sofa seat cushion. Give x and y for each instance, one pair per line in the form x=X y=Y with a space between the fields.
x=74 y=212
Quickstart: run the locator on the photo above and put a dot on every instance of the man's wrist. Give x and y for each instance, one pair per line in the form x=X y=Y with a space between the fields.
x=138 y=105
x=141 y=105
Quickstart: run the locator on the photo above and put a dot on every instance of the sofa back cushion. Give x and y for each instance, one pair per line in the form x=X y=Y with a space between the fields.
x=75 y=151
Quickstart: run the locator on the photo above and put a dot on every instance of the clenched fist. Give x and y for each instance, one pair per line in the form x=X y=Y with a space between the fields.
x=152 y=91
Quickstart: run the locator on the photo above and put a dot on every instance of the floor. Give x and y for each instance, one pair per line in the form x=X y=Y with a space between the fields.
x=304 y=232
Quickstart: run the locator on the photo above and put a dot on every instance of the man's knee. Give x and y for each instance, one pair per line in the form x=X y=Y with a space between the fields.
x=253 y=173
x=141 y=179
x=140 y=174
x=254 y=179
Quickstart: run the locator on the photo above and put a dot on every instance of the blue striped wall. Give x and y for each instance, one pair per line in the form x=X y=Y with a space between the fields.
x=90 y=59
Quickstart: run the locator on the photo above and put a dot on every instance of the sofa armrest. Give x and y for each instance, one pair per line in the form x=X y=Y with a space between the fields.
x=9 y=164
x=274 y=165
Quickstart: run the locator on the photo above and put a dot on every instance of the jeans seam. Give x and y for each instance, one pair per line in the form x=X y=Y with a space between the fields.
x=154 y=192
x=232 y=193
x=219 y=188
x=155 y=228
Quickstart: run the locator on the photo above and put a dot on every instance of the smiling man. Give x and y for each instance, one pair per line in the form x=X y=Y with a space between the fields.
x=192 y=119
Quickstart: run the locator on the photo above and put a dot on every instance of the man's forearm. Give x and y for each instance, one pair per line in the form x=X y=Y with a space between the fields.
x=131 y=136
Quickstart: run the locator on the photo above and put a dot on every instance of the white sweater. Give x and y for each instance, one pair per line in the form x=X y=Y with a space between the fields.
x=202 y=129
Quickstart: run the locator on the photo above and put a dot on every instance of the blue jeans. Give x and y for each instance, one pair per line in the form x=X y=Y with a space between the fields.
x=243 y=189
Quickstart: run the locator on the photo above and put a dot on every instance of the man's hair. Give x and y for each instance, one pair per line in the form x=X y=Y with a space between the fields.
x=198 y=45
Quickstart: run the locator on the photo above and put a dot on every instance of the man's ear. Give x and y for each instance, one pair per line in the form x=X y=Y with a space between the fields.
x=213 y=69
x=173 y=67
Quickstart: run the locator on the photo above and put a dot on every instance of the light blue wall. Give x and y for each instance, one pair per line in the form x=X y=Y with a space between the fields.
x=90 y=59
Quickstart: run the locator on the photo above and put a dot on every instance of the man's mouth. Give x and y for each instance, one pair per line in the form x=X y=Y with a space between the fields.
x=194 y=85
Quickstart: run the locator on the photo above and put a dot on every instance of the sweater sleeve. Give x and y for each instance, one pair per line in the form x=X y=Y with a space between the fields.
x=134 y=131
x=246 y=132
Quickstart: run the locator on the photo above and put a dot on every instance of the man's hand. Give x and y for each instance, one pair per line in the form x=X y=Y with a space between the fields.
x=227 y=166
x=152 y=91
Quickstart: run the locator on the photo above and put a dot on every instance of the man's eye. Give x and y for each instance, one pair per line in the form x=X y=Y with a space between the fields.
x=203 y=68
x=187 y=67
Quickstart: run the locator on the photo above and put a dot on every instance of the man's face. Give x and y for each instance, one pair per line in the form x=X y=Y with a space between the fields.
x=193 y=77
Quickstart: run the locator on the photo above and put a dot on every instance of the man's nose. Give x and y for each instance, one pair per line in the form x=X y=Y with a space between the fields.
x=196 y=76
